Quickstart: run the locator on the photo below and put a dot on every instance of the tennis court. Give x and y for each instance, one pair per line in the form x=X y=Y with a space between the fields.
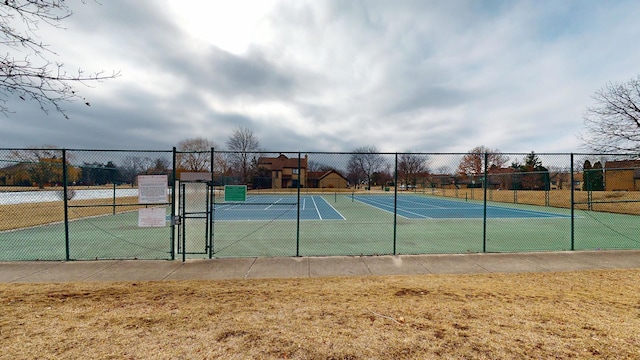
x=285 y=207
x=333 y=224
x=276 y=207
x=290 y=210
x=365 y=223
x=422 y=207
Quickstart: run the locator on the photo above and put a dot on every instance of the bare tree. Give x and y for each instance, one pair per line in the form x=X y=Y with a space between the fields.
x=443 y=170
x=315 y=166
x=242 y=142
x=25 y=70
x=363 y=163
x=410 y=166
x=472 y=163
x=159 y=166
x=132 y=166
x=44 y=165
x=195 y=154
x=613 y=123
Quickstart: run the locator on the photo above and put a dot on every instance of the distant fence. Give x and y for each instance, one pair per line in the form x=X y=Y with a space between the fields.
x=70 y=204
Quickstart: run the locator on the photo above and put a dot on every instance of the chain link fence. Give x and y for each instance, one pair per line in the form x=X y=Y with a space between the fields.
x=108 y=204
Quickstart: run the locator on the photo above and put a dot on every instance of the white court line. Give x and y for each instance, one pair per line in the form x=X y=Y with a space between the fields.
x=535 y=214
x=420 y=216
x=446 y=208
x=540 y=214
x=275 y=203
x=316 y=206
x=383 y=204
x=370 y=201
x=334 y=209
x=239 y=208
x=227 y=206
x=428 y=206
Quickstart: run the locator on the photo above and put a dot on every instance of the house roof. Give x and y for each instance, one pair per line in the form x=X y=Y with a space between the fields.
x=283 y=162
x=502 y=170
x=622 y=164
x=14 y=168
x=565 y=176
x=319 y=175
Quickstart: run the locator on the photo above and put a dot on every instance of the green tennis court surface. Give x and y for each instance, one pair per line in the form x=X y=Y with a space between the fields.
x=362 y=228
x=425 y=224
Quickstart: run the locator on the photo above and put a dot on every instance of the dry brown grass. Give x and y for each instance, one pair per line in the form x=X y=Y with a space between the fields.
x=613 y=201
x=16 y=216
x=60 y=188
x=588 y=314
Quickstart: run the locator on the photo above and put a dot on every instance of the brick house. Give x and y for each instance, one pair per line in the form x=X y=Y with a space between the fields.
x=284 y=171
x=622 y=175
x=562 y=181
x=17 y=174
x=440 y=181
x=500 y=178
x=326 y=179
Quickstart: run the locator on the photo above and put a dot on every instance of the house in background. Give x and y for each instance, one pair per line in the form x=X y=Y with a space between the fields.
x=284 y=172
x=438 y=181
x=562 y=181
x=500 y=178
x=622 y=175
x=15 y=175
x=578 y=181
x=326 y=179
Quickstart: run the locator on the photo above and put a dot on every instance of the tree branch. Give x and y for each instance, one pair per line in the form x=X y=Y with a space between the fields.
x=48 y=84
x=613 y=124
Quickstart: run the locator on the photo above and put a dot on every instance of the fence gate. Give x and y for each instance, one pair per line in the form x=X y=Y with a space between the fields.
x=195 y=227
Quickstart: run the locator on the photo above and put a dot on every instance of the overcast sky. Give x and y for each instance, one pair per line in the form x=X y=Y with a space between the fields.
x=432 y=76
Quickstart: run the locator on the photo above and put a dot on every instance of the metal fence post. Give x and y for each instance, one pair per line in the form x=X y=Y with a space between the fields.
x=484 y=216
x=298 y=215
x=572 y=206
x=395 y=206
x=113 y=202
x=66 y=204
x=212 y=199
x=173 y=208
x=184 y=227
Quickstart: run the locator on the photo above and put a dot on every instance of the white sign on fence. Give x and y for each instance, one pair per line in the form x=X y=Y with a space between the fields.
x=152 y=189
x=152 y=217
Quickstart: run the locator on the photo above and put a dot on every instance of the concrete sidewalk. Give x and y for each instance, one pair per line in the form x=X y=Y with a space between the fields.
x=308 y=267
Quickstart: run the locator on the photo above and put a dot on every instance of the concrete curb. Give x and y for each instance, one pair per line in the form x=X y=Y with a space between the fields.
x=312 y=267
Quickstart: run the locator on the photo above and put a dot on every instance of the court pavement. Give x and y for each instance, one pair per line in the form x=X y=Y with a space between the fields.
x=312 y=267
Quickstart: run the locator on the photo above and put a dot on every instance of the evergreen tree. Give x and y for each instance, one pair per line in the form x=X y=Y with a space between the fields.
x=593 y=177
x=597 y=177
x=586 y=174
x=536 y=176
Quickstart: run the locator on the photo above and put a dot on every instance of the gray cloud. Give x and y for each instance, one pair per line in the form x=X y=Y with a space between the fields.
x=335 y=75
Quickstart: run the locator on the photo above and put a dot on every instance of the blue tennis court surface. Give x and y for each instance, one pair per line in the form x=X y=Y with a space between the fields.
x=419 y=207
x=277 y=207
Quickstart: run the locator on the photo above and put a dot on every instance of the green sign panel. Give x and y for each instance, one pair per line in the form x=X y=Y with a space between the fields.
x=235 y=193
